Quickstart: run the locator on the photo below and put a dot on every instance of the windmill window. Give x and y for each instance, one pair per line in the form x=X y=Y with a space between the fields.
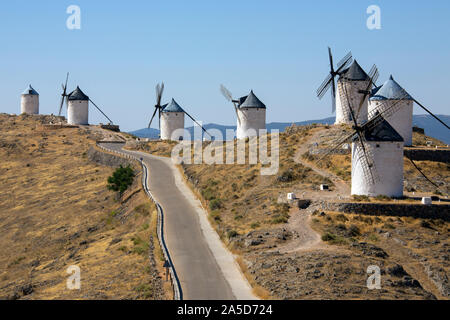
x=378 y=145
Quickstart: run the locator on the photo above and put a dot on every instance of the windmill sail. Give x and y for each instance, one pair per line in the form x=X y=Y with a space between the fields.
x=329 y=81
x=158 y=108
x=63 y=95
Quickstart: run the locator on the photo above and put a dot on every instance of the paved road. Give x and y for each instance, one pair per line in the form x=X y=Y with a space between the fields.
x=197 y=269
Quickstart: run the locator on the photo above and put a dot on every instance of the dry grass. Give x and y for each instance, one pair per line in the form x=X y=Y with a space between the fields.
x=55 y=211
x=407 y=241
x=420 y=140
x=259 y=291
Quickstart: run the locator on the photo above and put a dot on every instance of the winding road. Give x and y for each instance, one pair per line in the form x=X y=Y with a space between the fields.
x=206 y=269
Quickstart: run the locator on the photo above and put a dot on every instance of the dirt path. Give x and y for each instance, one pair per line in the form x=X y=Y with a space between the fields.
x=342 y=189
x=304 y=237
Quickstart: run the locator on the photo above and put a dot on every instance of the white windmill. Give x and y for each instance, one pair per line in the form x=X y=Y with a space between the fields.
x=29 y=101
x=77 y=108
x=377 y=151
x=77 y=104
x=250 y=113
x=377 y=162
x=353 y=89
x=377 y=157
x=171 y=117
x=383 y=97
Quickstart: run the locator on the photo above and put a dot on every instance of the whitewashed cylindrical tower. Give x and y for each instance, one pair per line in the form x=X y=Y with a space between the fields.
x=29 y=101
x=349 y=84
x=172 y=118
x=384 y=147
x=78 y=108
x=252 y=117
x=389 y=94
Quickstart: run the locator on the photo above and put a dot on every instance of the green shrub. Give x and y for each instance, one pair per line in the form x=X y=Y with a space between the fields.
x=358 y=198
x=286 y=176
x=328 y=237
x=232 y=234
x=389 y=226
x=333 y=239
x=280 y=219
x=353 y=231
x=208 y=194
x=121 y=179
x=383 y=198
x=254 y=225
x=425 y=224
x=216 y=216
x=215 y=204
x=145 y=290
x=341 y=217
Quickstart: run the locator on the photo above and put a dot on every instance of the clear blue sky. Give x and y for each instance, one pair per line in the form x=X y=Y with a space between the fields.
x=276 y=48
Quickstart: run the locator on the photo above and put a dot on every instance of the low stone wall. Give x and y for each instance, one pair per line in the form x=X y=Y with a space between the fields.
x=428 y=155
x=106 y=159
x=433 y=211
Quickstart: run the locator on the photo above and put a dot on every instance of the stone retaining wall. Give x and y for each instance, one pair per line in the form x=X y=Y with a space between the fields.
x=433 y=211
x=106 y=159
x=428 y=155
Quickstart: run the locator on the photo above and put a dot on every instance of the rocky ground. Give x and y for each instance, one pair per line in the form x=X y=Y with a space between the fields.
x=413 y=256
x=292 y=253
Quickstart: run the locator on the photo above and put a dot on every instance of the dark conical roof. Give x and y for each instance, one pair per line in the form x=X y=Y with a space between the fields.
x=374 y=90
x=173 y=106
x=30 y=91
x=242 y=100
x=252 y=101
x=391 y=90
x=382 y=132
x=77 y=94
x=355 y=73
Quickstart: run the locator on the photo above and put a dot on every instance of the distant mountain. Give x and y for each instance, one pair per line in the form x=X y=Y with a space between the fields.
x=432 y=127
x=146 y=133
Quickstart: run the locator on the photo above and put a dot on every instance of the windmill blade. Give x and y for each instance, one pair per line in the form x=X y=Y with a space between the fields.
x=434 y=116
x=366 y=163
x=154 y=113
x=61 y=105
x=159 y=93
x=110 y=121
x=159 y=119
x=325 y=86
x=350 y=107
x=421 y=172
x=198 y=123
x=330 y=56
x=373 y=74
x=336 y=145
x=344 y=62
x=64 y=94
x=333 y=97
x=67 y=79
x=226 y=93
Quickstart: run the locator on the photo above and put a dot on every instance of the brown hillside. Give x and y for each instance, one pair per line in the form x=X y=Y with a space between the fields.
x=55 y=211
x=292 y=253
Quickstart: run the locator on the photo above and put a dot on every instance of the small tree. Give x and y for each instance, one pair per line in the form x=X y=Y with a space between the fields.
x=121 y=179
